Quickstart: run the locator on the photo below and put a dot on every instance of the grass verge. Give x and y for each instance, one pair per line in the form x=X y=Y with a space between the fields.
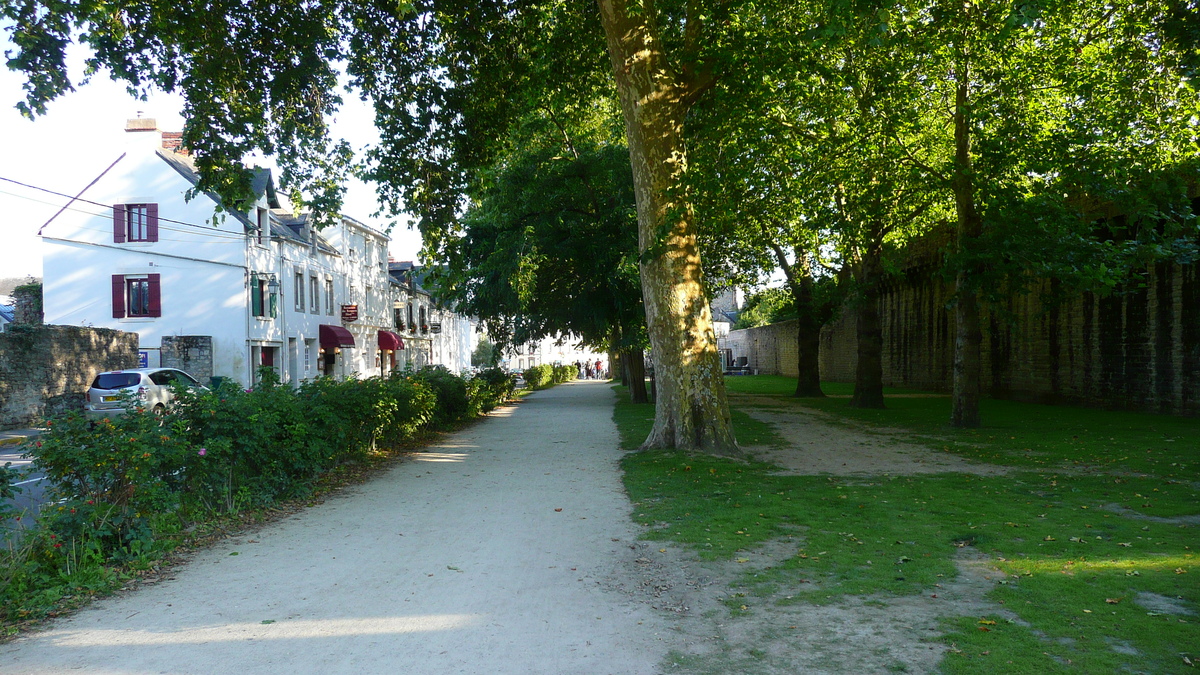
x=1100 y=571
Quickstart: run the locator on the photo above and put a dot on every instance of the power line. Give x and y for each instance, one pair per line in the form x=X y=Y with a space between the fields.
x=208 y=232
x=103 y=206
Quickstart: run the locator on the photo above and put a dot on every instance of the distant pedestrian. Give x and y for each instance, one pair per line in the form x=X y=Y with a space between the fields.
x=599 y=369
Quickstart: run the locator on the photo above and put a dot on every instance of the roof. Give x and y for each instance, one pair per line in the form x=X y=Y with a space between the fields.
x=407 y=273
x=261 y=182
x=7 y=312
x=292 y=227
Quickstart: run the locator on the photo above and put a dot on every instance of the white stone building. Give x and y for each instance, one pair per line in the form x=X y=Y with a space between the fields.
x=217 y=295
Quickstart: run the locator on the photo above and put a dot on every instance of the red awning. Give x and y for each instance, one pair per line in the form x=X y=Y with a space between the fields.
x=389 y=340
x=333 y=337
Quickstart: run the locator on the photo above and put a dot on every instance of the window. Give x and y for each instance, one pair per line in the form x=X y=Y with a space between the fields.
x=136 y=296
x=299 y=287
x=424 y=326
x=313 y=289
x=264 y=222
x=135 y=222
x=329 y=296
x=411 y=325
x=263 y=302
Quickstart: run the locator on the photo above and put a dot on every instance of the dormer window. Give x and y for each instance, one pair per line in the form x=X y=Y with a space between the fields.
x=264 y=222
x=135 y=222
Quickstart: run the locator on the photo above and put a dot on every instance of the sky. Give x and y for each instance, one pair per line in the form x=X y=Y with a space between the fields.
x=82 y=133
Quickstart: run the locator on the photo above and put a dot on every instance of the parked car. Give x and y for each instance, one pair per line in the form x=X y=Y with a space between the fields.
x=150 y=387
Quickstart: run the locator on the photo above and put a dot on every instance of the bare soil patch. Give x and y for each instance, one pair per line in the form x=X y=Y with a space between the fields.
x=773 y=635
x=816 y=445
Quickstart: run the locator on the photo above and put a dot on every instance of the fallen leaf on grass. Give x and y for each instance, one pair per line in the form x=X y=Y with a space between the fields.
x=1048 y=538
x=743 y=560
x=557 y=510
x=1180 y=570
x=1112 y=601
x=987 y=622
x=1126 y=544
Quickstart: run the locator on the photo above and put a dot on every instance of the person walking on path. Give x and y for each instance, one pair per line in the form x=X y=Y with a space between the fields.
x=483 y=554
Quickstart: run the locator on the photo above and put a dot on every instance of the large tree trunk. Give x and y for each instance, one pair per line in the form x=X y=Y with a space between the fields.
x=635 y=367
x=690 y=410
x=808 y=329
x=868 y=377
x=808 y=334
x=968 y=335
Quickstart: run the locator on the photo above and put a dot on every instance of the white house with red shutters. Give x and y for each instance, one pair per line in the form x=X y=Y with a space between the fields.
x=217 y=294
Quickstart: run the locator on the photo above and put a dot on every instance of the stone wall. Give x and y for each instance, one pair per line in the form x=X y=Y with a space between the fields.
x=1139 y=350
x=47 y=369
x=193 y=354
x=27 y=304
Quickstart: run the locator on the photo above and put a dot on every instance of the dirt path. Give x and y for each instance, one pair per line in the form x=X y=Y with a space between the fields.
x=495 y=552
x=817 y=445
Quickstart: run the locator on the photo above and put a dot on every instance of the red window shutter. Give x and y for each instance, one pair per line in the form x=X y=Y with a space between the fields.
x=155 y=295
x=119 y=223
x=118 y=296
x=152 y=222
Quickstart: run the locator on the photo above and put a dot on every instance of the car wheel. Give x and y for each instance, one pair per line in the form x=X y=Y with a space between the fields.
x=160 y=410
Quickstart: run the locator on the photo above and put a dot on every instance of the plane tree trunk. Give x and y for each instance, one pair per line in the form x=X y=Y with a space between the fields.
x=691 y=412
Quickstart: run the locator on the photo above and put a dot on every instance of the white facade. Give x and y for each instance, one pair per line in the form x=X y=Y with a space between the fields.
x=433 y=335
x=555 y=350
x=266 y=288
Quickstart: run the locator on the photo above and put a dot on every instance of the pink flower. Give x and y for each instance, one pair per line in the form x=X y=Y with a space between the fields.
x=202 y=452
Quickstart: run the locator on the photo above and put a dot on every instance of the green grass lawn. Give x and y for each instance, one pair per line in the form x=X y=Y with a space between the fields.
x=1019 y=434
x=1067 y=527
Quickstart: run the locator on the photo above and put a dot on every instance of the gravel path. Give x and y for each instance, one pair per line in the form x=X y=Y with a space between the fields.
x=488 y=553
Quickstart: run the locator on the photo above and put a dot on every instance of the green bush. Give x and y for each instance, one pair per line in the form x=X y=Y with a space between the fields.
x=539 y=377
x=451 y=390
x=126 y=483
x=565 y=373
x=490 y=388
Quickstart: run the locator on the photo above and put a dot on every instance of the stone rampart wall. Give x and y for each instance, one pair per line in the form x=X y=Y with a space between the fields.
x=47 y=369
x=1138 y=350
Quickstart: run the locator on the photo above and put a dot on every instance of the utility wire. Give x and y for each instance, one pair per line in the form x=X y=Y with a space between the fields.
x=208 y=232
x=103 y=206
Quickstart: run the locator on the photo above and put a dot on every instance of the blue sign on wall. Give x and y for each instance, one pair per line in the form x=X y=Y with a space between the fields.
x=143 y=359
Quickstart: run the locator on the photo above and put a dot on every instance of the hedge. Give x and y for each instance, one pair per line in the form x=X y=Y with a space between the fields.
x=129 y=485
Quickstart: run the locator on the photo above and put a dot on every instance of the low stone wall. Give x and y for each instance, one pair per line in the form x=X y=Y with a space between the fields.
x=193 y=354
x=47 y=369
x=1137 y=351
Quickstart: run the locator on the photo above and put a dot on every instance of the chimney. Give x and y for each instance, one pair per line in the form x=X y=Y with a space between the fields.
x=173 y=141
x=141 y=124
x=142 y=133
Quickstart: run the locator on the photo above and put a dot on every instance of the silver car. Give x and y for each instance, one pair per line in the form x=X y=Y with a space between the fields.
x=150 y=387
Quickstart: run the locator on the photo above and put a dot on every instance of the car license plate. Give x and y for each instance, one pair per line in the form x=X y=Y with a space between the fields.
x=108 y=399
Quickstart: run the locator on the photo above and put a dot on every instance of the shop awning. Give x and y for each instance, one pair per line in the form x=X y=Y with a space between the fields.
x=389 y=340
x=333 y=337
